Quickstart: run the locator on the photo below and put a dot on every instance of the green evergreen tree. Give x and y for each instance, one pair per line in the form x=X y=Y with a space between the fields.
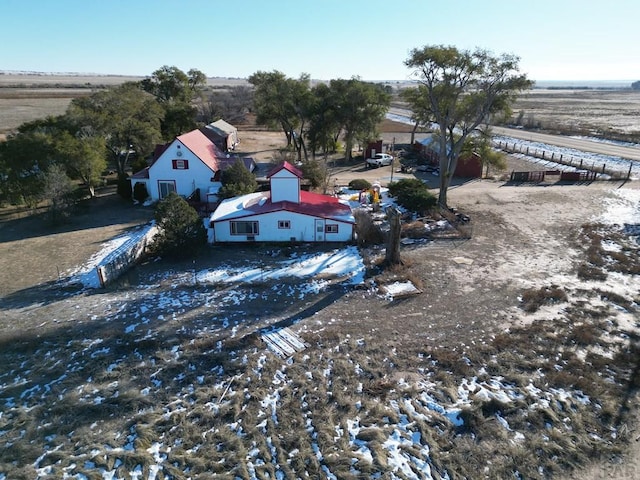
x=237 y=180
x=181 y=231
x=413 y=194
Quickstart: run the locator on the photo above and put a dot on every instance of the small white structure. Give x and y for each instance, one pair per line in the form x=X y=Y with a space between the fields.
x=284 y=214
x=191 y=166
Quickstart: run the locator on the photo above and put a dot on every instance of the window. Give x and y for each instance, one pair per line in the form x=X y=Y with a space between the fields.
x=331 y=228
x=284 y=224
x=165 y=187
x=244 y=228
x=179 y=164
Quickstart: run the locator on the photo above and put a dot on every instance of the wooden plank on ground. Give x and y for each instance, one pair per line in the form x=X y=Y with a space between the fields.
x=283 y=342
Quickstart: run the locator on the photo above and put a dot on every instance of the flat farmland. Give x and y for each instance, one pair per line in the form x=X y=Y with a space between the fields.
x=612 y=113
x=580 y=111
x=28 y=97
x=20 y=105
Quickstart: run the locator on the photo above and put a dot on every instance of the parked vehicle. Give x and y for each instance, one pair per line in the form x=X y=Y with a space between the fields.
x=379 y=160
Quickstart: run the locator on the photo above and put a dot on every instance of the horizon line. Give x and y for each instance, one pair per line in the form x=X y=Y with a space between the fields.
x=95 y=74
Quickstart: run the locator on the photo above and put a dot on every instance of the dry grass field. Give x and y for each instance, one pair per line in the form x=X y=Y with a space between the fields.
x=26 y=97
x=519 y=359
x=604 y=112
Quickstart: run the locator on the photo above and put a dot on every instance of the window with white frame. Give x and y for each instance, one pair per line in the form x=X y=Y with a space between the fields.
x=284 y=224
x=244 y=228
x=180 y=164
x=165 y=187
x=331 y=228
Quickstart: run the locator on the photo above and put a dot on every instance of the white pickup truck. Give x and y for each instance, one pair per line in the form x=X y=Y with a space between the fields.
x=379 y=160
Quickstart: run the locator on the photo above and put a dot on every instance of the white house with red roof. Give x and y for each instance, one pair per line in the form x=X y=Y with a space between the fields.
x=190 y=166
x=284 y=214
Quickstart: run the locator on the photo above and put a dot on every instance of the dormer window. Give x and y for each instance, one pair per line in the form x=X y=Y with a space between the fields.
x=180 y=164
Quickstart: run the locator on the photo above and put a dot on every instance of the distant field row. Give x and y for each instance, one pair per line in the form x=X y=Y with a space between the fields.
x=605 y=112
x=16 y=111
x=43 y=80
x=19 y=93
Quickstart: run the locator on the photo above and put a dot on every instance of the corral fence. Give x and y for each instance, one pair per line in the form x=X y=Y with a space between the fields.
x=122 y=258
x=541 y=176
x=579 y=163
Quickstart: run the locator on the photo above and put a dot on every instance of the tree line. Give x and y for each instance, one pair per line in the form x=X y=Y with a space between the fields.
x=455 y=89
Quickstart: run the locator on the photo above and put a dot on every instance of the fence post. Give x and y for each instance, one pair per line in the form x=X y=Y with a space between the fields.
x=603 y=165
x=543 y=154
x=527 y=149
x=560 y=158
x=552 y=155
x=580 y=163
x=629 y=172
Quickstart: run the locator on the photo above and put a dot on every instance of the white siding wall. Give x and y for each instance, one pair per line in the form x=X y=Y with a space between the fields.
x=198 y=175
x=285 y=186
x=301 y=229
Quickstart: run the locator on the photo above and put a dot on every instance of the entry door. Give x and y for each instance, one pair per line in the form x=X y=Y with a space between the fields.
x=319 y=230
x=165 y=187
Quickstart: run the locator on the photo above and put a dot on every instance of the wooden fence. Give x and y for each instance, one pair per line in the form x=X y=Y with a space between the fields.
x=569 y=160
x=123 y=258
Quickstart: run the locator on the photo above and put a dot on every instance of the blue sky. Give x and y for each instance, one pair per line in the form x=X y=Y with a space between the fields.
x=555 y=40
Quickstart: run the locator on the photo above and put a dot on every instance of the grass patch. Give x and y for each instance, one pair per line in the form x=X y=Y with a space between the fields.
x=534 y=298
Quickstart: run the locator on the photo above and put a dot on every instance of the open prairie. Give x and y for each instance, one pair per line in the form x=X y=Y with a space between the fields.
x=518 y=359
x=615 y=112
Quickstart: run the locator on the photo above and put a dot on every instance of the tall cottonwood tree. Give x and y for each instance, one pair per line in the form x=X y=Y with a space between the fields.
x=175 y=91
x=459 y=90
x=420 y=112
x=324 y=128
x=358 y=108
x=283 y=102
x=125 y=116
x=84 y=158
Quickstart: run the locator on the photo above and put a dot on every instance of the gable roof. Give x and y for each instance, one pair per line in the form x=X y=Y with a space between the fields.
x=159 y=150
x=218 y=131
x=223 y=126
x=144 y=173
x=311 y=204
x=203 y=148
x=285 y=166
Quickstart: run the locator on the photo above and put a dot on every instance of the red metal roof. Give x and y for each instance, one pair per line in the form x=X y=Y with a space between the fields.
x=313 y=204
x=286 y=166
x=202 y=147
